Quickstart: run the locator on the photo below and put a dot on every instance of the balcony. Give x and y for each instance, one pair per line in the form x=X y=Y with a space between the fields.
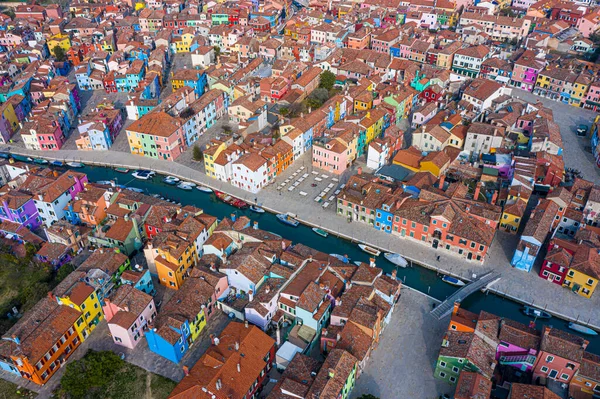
x=518 y=359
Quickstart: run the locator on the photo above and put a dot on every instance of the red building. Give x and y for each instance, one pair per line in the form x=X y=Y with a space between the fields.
x=110 y=85
x=432 y=93
x=560 y=355
x=235 y=366
x=568 y=12
x=557 y=261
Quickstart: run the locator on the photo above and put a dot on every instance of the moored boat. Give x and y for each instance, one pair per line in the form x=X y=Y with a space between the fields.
x=453 y=281
x=204 y=189
x=369 y=250
x=582 y=329
x=122 y=170
x=57 y=163
x=75 y=164
x=537 y=313
x=143 y=174
x=171 y=180
x=256 y=209
x=186 y=186
x=396 y=259
x=320 y=232
x=40 y=161
x=228 y=199
x=342 y=258
x=105 y=182
x=134 y=189
x=287 y=219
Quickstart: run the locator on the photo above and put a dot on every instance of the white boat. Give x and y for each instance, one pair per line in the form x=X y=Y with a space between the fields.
x=186 y=186
x=143 y=174
x=134 y=189
x=396 y=259
x=204 y=189
x=105 y=182
x=582 y=329
x=453 y=281
x=369 y=250
x=75 y=164
x=256 y=209
x=171 y=180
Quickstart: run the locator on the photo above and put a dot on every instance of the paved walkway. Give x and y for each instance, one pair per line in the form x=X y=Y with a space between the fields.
x=515 y=284
x=402 y=365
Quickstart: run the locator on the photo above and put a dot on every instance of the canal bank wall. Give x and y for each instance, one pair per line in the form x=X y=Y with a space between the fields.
x=524 y=288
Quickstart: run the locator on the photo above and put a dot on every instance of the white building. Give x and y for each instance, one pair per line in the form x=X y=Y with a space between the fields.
x=250 y=172
x=378 y=154
x=482 y=138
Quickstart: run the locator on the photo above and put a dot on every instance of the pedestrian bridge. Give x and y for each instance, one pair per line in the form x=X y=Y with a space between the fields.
x=445 y=308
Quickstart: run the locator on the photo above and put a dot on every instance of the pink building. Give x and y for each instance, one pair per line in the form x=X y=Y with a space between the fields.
x=128 y=313
x=332 y=155
x=518 y=345
x=589 y=23
x=592 y=99
x=560 y=355
x=43 y=133
x=526 y=70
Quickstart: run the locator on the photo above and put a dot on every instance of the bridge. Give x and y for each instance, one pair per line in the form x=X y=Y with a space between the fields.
x=445 y=308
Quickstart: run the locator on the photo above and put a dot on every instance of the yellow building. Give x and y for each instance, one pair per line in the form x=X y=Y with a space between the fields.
x=83 y=297
x=512 y=215
x=9 y=114
x=373 y=124
x=184 y=42
x=197 y=325
x=578 y=92
x=174 y=255
x=210 y=155
x=60 y=40
x=582 y=277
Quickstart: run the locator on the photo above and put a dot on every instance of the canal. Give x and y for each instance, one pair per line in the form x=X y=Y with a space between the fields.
x=419 y=278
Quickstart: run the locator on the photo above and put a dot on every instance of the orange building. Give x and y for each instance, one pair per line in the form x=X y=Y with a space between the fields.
x=89 y=207
x=462 y=320
x=279 y=156
x=42 y=340
x=175 y=253
x=361 y=39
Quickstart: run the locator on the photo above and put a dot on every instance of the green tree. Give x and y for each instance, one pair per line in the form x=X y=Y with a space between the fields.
x=327 y=80
x=197 y=153
x=59 y=53
x=90 y=374
x=283 y=111
x=63 y=272
x=217 y=51
x=10 y=12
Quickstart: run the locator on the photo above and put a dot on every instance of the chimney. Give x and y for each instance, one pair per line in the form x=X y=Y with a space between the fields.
x=246 y=323
x=212 y=339
x=359 y=170
x=218 y=384
x=250 y=295
x=338 y=337
x=477 y=190
x=442 y=181
x=213 y=267
x=494 y=197
x=233 y=217
x=238 y=368
x=394 y=274
x=372 y=262
x=255 y=225
x=331 y=373
x=237 y=346
x=186 y=370
x=456 y=307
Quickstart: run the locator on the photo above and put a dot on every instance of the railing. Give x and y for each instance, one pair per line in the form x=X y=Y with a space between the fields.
x=529 y=359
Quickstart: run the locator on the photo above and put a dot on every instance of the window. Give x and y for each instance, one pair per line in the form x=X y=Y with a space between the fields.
x=455 y=369
x=452 y=379
x=442 y=374
x=590 y=281
x=544 y=369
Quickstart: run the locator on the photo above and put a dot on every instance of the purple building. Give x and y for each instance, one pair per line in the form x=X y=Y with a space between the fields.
x=519 y=345
x=18 y=207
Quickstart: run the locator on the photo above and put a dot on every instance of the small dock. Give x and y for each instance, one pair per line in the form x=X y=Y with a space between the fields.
x=445 y=308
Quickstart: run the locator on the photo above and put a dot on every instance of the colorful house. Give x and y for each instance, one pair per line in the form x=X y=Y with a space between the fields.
x=518 y=346
x=19 y=207
x=157 y=135
x=196 y=79
x=560 y=355
x=180 y=321
x=174 y=255
x=128 y=312
x=77 y=294
x=337 y=376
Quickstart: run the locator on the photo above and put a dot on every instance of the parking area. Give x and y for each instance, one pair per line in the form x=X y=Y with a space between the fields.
x=576 y=150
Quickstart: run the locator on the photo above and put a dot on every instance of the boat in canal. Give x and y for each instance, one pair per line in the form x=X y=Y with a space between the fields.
x=122 y=170
x=396 y=259
x=105 y=182
x=204 y=189
x=320 y=232
x=40 y=161
x=185 y=185
x=57 y=163
x=228 y=199
x=134 y=189
x=171 y=180
x=287 y=219
x=582 y=329
x=75 y=164
x=453 y=281
x=369 y=250
x=537 y=313
x=342 y=258
x=256 y=209
x=143 y=174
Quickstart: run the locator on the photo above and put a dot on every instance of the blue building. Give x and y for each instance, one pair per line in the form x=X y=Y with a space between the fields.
x=169 y=341
x=140 y=280
x=193 y=78
x=384 y=216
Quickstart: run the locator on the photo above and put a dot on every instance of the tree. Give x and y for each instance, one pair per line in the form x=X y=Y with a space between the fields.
x=10 y=12
x=317 y=98
x=63 y=272
x=89 y=374
x=197 y=153
x=217 y=51
x=283 y=111
x=327 y=80
x=59 y=53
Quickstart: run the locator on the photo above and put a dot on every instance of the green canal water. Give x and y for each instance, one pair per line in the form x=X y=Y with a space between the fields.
x=417 y=277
